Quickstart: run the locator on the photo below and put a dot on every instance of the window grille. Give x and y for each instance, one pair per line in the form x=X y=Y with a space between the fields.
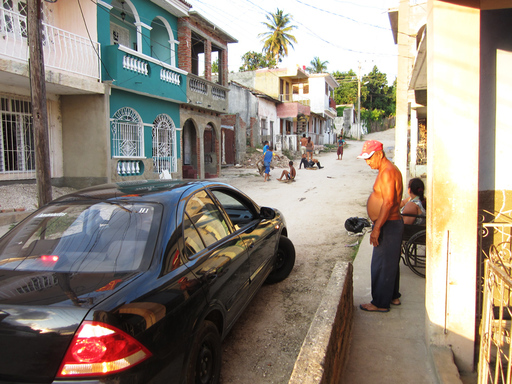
x=127 y=133
x=17 y=137
x=164 y=144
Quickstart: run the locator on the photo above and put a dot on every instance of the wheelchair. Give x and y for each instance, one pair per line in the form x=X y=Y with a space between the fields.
x=414 y=250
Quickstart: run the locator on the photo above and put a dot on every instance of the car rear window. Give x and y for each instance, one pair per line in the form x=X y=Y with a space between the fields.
x=103 y=237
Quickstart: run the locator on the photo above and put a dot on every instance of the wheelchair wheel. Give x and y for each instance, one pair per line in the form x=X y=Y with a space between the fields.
x=416 y=253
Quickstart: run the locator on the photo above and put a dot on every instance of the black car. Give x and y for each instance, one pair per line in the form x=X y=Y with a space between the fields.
x=134 y=282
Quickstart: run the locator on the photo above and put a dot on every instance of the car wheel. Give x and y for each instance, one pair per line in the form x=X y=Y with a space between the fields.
x=205 y=356
x=284 y=262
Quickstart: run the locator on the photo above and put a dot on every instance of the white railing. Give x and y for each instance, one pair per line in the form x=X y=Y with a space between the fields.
x=170 y=76
x=61 y=49
x=136 y=65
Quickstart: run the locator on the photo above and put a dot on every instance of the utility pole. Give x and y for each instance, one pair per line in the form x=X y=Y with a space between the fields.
x=38 y=99
x=359 y=103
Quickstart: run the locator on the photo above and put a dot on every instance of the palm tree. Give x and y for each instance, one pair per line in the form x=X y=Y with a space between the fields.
x=277 y=39
x=317 y=66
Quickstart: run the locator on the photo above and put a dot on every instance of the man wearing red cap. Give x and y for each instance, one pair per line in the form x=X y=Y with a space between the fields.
x=383 y=208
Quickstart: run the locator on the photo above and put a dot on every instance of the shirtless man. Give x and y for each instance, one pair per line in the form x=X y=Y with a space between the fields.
x=383 y=208
x=303 y=143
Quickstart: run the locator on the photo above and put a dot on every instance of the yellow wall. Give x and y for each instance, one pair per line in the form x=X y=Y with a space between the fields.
x=69 y=16
x=453 y=72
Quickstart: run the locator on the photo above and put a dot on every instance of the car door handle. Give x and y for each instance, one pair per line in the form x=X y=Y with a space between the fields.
x=210 y=276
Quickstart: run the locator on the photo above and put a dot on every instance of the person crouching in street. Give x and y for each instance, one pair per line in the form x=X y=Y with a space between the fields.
x=383 y=208
x=290 y=174
x=267 y=159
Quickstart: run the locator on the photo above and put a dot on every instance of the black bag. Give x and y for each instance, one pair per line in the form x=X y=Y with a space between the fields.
x=356 y=224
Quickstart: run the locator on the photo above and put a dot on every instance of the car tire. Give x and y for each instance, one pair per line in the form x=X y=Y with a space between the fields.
x=284 y=261
x=205 y=356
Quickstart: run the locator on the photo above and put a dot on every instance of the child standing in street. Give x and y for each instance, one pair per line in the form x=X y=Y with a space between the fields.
x=267 y=159
x=341 y=143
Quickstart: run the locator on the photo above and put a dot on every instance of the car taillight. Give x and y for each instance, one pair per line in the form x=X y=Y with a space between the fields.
x=99 y=349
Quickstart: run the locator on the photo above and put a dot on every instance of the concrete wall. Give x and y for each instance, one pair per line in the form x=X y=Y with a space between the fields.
x=325 y=348
x=201 y=120
x=453 y=67
x=85 y=140
x=317 y=94
x=267 y=110
x=246 y=78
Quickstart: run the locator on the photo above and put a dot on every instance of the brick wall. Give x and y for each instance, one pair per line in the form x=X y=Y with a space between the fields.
x=208 y=60
x=324 y=352
x=185 y=46
x=185 y=26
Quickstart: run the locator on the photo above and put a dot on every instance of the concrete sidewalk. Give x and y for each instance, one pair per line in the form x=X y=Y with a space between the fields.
x=388 y=347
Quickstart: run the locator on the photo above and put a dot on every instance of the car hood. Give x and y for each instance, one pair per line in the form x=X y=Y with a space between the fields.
x=39 y=314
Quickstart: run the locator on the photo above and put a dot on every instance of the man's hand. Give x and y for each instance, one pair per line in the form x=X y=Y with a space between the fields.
x=374 y=237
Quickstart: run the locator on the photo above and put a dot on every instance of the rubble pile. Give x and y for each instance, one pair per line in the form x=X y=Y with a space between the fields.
x=280 y=161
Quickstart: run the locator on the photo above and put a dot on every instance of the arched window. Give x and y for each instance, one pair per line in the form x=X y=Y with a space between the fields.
x=164 y=144
x=163 y=44
x=127 y=133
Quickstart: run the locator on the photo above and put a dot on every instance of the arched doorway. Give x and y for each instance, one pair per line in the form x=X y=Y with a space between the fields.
x=210 y=152
x=190 y=166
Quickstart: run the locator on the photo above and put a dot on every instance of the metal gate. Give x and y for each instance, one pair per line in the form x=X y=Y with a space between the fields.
x=495 y=354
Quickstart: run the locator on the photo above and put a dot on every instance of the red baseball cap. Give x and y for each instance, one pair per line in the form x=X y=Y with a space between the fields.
x=369 y=148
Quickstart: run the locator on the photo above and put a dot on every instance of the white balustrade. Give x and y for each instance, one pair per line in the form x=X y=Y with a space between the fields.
x=61 y=49
x=135 y=65
x=128 y=168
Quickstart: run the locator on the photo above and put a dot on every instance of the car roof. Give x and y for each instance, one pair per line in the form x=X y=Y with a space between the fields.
x=140 y=190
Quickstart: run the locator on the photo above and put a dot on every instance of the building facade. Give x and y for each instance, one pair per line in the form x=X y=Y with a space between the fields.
x=73 y=90
x=145 y=87
x=201 y=44
x=460 y=75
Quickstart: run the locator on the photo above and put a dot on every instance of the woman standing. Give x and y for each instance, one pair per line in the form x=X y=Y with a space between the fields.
x=309 y=149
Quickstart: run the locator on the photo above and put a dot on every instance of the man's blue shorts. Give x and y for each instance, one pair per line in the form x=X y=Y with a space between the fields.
x=267 y=167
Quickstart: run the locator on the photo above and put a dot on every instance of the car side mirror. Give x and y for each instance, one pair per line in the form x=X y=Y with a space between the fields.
x=267 y=213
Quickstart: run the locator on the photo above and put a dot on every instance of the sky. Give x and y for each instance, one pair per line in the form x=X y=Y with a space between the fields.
x=344 y=33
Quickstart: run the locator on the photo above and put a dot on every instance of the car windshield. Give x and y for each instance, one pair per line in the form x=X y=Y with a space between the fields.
x=102 y=237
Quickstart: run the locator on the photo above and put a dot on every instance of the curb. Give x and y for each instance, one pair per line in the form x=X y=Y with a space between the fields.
x=324 y=351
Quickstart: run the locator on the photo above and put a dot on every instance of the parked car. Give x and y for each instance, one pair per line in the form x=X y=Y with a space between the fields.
x=134 y=282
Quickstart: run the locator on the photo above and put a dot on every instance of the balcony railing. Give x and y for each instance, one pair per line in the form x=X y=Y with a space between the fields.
x=61 y=49
x=207 y=94
x=294 y=98
x=332 y=103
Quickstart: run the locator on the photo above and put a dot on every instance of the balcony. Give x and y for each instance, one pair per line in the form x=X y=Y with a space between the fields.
x=295 y=98
x=206 y=94
x=62 y=50
x=133 y=70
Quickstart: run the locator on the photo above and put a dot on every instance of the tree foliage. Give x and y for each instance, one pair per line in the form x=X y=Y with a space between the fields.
x=253 y=60
x=215 y=66
x=278 y=37
x=377 y=98
x=380 y=96
x=317 y=66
